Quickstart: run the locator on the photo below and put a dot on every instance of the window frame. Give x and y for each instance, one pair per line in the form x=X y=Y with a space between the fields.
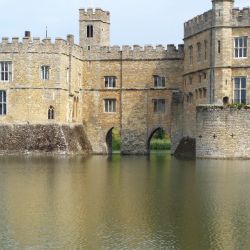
x=159 y=81
x=159 y=106
x=8 y=72
x=240 y=89
x=108 y=108
x=191 y=54
x=199 y=52
x=238 y=48
x=51 y=113
x=110 y=82
x=44 y=76
x=3 y=103
x=90 y=31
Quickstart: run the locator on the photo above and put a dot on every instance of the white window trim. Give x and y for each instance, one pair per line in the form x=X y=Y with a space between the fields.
x=6 y=91
x=110 y=112
x=109 y=77
x=159 y=78
x=240 y=88
x=41 y=72
x=234 y=48
x=10 y=73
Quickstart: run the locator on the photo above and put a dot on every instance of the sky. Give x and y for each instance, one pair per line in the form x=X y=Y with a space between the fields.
x=139 y=22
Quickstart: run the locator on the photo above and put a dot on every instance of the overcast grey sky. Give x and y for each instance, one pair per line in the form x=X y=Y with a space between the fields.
x=132 y=21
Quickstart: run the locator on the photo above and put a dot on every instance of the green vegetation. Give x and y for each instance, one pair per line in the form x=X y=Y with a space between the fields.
x=238 y=106
x=116 y=140
x=160 y=141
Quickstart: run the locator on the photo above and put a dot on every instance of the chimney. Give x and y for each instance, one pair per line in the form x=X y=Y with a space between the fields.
x=27 y=34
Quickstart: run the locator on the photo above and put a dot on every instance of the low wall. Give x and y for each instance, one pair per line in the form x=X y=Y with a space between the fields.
x=223 y=132
x=51 y=138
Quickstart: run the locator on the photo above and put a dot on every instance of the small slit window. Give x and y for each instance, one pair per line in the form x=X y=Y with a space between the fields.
x=51 y=113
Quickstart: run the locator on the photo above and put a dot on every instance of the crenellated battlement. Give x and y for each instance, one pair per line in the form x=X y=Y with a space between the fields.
x=94 y=14
x=241 y=17
x=38 y=45
x=198 y=24
x=135 y=52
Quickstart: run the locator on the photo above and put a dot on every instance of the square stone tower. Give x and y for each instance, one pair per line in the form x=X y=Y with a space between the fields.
x=94 y=28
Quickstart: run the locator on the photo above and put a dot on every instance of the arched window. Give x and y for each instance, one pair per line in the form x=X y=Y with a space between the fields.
x=51 y=113
x=90 y=31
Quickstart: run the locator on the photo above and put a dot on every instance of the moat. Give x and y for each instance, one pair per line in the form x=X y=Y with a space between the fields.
x=123 y=202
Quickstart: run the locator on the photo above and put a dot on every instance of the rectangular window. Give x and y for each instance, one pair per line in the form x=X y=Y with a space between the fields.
x=3 y=103
x=5 y=71
x=159 y=105
x=90 y=31
x=190 y=54
x=219 y=46
x=110 y=105
x=110 y=81
x=240 y=85
x=205 y=50
x=159 y=82
x=198 y=52
x=240 y=47
x=45 y=72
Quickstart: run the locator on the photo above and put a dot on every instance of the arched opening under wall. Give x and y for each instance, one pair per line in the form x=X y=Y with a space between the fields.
x=113 y=141
x=225 y=100
x=159 y=140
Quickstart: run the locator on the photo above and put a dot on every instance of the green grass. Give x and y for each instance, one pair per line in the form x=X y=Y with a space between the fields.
x=116 y=140
x=160 y=144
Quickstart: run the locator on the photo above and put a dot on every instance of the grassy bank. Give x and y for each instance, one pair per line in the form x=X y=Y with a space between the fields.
x=160 y=144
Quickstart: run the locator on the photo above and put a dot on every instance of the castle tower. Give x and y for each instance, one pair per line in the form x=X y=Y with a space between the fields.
x=222 y=11
x=94 y=28
x=222 y=49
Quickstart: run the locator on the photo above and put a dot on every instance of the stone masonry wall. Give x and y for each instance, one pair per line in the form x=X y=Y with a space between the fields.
x=58 y=139
x=223 y=132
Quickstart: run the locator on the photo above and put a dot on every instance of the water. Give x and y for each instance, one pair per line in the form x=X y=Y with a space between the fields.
x=135 y=202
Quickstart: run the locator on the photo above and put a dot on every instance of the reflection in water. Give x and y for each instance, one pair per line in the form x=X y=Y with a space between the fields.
x=134 y=202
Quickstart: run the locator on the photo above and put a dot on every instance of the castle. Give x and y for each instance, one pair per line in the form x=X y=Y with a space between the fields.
x=58 y=92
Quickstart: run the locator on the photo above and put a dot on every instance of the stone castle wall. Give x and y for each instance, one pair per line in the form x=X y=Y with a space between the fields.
x=134 y=93
x=54 y=138
x=222 y=132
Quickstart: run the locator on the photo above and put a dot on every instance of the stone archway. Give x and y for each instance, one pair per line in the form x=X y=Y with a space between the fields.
x=111 y=140
x=159 y=130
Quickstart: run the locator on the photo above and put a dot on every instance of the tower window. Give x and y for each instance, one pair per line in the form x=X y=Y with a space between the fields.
x=190 y=54
x=5 y=71
x=219 y=46
x=205 y=50
x=90 y=31
x=45 y=72
x=51 y=113
x=3 y=103
x=198 y=52
x=240 y=47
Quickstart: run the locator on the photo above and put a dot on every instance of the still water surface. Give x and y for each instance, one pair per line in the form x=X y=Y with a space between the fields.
x=135 y=202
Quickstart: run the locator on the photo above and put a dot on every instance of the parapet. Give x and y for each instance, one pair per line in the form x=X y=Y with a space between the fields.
x=198 y=24
x=136 y=52
x=38 y=45
x=94 y=14
x=241 y=17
